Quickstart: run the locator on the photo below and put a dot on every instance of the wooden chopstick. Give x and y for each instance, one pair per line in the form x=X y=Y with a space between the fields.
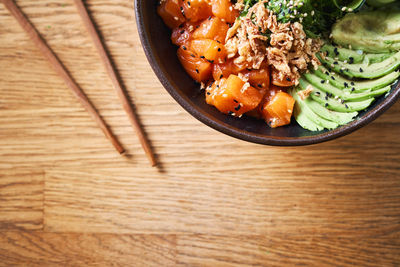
x=115 y=80
x=61 y=70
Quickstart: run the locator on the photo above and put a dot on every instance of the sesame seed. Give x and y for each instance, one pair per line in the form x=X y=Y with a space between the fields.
x=336 y=51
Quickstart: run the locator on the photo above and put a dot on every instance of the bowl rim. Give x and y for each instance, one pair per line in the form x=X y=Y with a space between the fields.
x=225 y=128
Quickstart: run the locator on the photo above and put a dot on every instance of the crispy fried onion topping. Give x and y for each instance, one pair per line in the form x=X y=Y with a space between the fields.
x=258 y=37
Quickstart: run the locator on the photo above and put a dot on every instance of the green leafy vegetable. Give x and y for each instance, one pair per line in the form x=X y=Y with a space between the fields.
x=316 y=16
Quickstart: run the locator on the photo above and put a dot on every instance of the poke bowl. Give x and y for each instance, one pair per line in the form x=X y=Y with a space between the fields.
x=161 y=53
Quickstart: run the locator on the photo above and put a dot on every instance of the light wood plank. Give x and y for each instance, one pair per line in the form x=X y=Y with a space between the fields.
x=334 y=201
x=286 y=250
x=21 y=200
x=47 y=249
x=72 y=249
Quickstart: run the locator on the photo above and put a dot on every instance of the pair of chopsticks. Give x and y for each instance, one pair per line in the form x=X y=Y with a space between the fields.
x=81 y=96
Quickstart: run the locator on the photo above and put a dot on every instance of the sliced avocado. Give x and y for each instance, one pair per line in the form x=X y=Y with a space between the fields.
x=359 y=86
x=335 y=104
x=376 y=58
x=343 y=54
x=303 y=120
x=362 y=70
x=369 y=94
x=311 y=115
x=333 y=77
x=378 y=3
x=393 y=40
x=339 y=118
x=347 y=95
x=354 y=56
x=322 y=85
x=369 y=31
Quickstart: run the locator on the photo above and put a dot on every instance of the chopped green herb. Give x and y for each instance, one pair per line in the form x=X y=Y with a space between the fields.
x=316 y=16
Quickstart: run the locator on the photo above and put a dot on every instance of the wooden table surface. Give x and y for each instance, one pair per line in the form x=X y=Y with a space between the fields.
x=67 y=198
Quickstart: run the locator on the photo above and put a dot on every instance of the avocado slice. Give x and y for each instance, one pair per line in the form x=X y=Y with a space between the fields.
x=347 y=95
x=378 y=3
x=341 y=107
x=339 y=118
x=376 y=58
x=343 y=54
x=362 y=70
x=335 y=104
x=304 y=121
x=311 y=115
x=371 y=31
x=359 y=86
x=352 y=56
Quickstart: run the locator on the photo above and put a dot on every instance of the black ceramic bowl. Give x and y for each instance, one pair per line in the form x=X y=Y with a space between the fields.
x=161 y=53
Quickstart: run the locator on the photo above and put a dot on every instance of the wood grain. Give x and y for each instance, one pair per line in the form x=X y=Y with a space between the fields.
x=216 y=201
x=286 y=250
x=226 y=204
x=21 y=200
x=73 y=249
x=49 y=249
